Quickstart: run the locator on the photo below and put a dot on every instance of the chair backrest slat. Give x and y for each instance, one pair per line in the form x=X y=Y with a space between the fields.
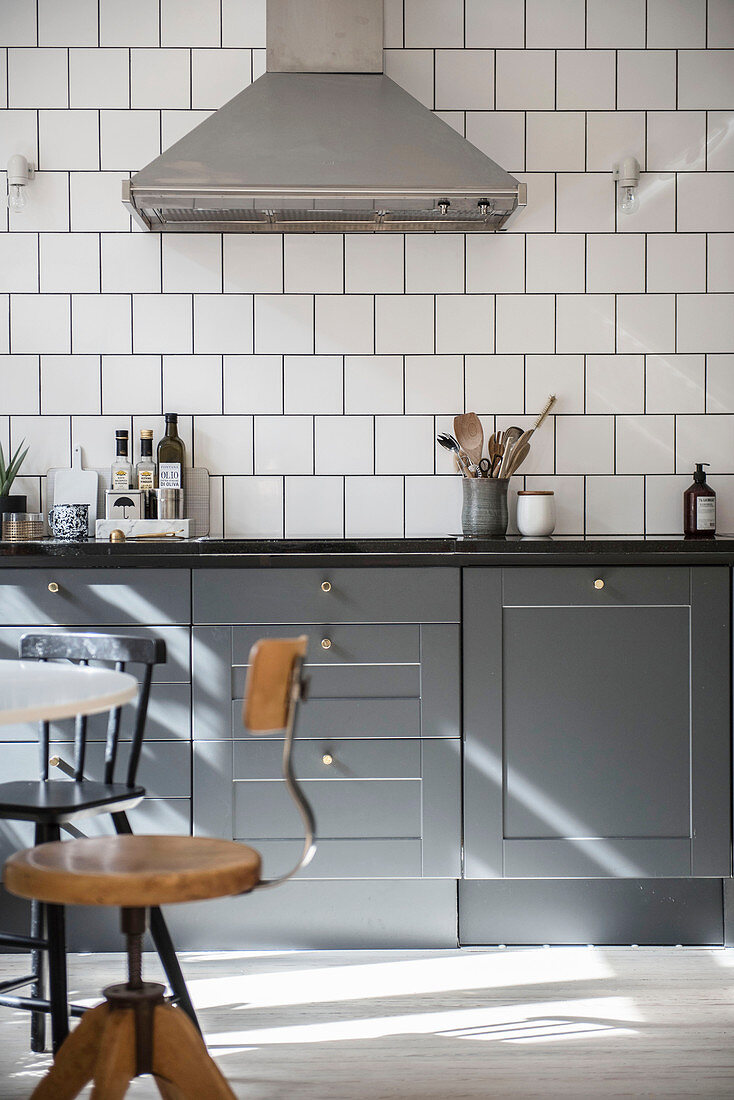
x=113 y=734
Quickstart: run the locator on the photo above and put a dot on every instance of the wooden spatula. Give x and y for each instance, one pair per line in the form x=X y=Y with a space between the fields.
x=470 y=434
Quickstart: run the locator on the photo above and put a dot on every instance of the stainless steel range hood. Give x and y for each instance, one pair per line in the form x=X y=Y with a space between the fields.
x=310 y=147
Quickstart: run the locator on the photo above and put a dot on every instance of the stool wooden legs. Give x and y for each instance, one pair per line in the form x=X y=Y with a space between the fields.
x=102 y=1048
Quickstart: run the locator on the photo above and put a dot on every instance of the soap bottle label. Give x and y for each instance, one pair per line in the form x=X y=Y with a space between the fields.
x=706 y=514
x=169 y=475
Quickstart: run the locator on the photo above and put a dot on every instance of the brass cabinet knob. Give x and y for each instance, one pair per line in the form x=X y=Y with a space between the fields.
x=326 y=643
x=326 y=586
x=598 y=583
x=53 y=586
x=327 y=759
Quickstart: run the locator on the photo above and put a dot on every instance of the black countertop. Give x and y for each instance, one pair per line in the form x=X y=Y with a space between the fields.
x=451 y=550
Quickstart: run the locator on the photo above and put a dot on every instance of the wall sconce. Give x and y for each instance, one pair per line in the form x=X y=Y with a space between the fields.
x=627 y=175
x=19 y=173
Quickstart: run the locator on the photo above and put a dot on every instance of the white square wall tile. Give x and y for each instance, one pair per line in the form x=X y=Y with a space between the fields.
x=720 y=383
x=243 y=24
x=495 y=383
x=131 y=262
x=134 y=24
x=494 y=24
x=404 y=444
x=586 y=80
x=584 y=444
x=464 y=80
x=313 y=383
x=432 y=506
x=705 y=322
x=129 y=139
x=705 y=79
x=192 y=262
x=73 y=23
x=674 y=383
x=585 y=203
x=19 y=262
x=373 y=263
x=465 y=323
x=253 y=507
x=656 y=210
x=615 y=505
x=674 y=24
x=283 y=444
x=620 y=25
x=47 y=439
x=499 y=134
x=70 y=384
x=162 y=323
x=404 y=324
x=434 y=384
x=18 y=26
x=525 y=323
x=37 y=77
x=720 y=23
x=176 y=124
x=314 y=263
x=345 y=324
x=193 y=384
x=218 y=75
x=253 y=263
x=19 y=382
x=646 y=80
x=525 y=80
x=190 y=22
x=704 y=439
x=676 y=141
x=67 y=139
x=676 y=262
x=434 y=22
x=284 y=323
x=495 y=262
x=344 y=444
x=131 y=384
x=644 y=444
x=585 y=323
x=373 y=507
x=314 y=507
x=434 y=263
x=223 y=444
x=95 y=203
x=569 y=499
x=4 y=323
x=539 y=216
x=555 y=262
x=615 y=383
x=47 y=205
x=719 y=141
x=720 y=261
x=664 y=503
x=101 y=323
x=554 y=23
x=99 y=78
x=562 y=375
x=253 y=383
x=412 y=70
x=223 y=323
x=706 y=202
x=555 y=141
x=393 y=16
x=373 y=384
x=20 y=135
x=612 y=135
x=160 y=78
x=645 y=322
x=615 y=263
x=39 y=323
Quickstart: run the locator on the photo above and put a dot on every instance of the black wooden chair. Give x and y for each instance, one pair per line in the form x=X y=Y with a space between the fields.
x=55 y=804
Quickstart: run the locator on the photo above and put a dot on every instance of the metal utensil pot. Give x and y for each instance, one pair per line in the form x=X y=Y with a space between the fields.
x=484 y=509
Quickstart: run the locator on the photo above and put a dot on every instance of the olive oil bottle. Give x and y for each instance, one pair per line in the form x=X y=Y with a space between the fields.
x=171 y=460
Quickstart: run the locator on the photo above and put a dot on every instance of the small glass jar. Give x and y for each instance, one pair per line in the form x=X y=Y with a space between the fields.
x=22 y=526
x=536 y=512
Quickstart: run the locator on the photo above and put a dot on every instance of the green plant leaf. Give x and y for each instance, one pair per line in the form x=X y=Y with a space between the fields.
x=9 y=473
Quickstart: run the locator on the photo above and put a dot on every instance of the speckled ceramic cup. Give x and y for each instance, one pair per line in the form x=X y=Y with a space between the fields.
x=69 y=521
x=484 y=510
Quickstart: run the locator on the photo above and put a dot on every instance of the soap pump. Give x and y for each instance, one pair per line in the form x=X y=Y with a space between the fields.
x=699 y=507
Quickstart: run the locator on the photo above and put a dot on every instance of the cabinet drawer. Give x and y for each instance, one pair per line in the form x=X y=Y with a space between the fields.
x=105 y=596
x=595 y=586
x=177 y=668
x=302 y=596
x=360 y=644
x=261 y=759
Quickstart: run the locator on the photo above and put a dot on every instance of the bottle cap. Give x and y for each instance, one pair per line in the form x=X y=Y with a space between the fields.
x=699 y=474
x=146 y=433
x=121 y=433
x=171 y=418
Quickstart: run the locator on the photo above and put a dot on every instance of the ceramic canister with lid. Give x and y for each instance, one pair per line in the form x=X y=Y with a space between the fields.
x=536 y=512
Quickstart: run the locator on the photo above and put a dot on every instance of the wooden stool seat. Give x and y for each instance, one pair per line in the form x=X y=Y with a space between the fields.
x=132 y=871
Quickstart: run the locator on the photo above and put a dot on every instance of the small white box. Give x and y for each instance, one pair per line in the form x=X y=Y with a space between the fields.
x=123 y=504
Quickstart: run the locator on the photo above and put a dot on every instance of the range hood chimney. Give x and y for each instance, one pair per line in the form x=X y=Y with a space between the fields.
x=324 y=142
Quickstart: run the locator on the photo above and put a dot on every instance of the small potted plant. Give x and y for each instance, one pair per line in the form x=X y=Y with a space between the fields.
x=17 y=502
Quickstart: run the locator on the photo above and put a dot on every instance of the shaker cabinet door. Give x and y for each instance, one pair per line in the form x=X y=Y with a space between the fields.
x=597 y=723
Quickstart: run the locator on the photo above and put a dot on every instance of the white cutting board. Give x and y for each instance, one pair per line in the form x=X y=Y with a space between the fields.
x=76 y=486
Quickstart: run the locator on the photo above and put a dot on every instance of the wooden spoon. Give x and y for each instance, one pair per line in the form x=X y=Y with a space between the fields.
x=470 y=434
x=518 y=456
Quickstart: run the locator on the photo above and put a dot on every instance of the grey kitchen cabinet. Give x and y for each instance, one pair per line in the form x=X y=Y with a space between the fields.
x=378 y=743
x=597 y=722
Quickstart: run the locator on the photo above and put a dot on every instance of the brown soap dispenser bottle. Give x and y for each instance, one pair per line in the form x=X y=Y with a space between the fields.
x=699 y=507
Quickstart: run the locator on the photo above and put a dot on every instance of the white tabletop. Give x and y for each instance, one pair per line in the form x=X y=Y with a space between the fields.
x=43 y=691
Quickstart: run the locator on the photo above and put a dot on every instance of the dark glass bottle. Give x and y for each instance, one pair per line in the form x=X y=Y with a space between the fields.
x=699 y=507
x=171 y=456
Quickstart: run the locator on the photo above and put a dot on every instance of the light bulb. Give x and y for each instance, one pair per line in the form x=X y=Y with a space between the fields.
x=628 y=200
x=16 y=198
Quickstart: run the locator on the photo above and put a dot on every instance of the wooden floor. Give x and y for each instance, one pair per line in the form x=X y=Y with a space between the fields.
x=571 y=1022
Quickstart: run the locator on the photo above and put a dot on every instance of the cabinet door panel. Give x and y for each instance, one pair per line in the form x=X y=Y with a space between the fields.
x=107 y=596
